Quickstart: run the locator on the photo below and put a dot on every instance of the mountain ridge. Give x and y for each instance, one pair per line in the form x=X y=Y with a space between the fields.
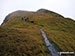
x=22 y=12
x=18 y=37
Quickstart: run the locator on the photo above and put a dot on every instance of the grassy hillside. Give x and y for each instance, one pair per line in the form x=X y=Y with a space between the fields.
x=18 y=37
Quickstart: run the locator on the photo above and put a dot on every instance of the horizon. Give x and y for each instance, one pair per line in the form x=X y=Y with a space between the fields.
x=63 y=7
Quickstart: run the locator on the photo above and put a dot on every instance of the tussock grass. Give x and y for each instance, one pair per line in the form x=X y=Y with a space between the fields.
x=18 y=37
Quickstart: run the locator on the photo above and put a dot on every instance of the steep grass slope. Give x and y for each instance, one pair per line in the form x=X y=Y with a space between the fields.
x=18 y=37
x=21 y=37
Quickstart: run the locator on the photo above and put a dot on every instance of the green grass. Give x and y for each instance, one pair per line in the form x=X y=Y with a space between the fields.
x=18 y=37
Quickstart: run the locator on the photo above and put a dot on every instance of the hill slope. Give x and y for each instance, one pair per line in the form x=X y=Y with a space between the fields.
x=18 y=37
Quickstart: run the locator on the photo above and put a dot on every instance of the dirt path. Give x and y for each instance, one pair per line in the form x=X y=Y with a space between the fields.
x=48 y=44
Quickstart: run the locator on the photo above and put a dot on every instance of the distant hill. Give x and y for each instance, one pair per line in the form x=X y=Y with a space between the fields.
x=18 y=37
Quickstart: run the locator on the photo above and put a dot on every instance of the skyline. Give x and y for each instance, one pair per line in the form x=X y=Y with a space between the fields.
x=64 y=7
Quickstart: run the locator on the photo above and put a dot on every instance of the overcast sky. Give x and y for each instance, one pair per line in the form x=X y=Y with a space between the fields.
x=63 y=7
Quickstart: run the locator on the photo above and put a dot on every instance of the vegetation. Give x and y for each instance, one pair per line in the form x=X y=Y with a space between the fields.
x=18 y=37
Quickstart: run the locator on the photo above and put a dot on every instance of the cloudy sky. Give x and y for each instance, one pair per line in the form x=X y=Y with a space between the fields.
x=63 y=7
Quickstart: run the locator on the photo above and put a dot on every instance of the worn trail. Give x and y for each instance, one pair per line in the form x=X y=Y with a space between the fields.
x=49 y=45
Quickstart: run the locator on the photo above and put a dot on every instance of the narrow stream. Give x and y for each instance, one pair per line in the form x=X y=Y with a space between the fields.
x=49 y=45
